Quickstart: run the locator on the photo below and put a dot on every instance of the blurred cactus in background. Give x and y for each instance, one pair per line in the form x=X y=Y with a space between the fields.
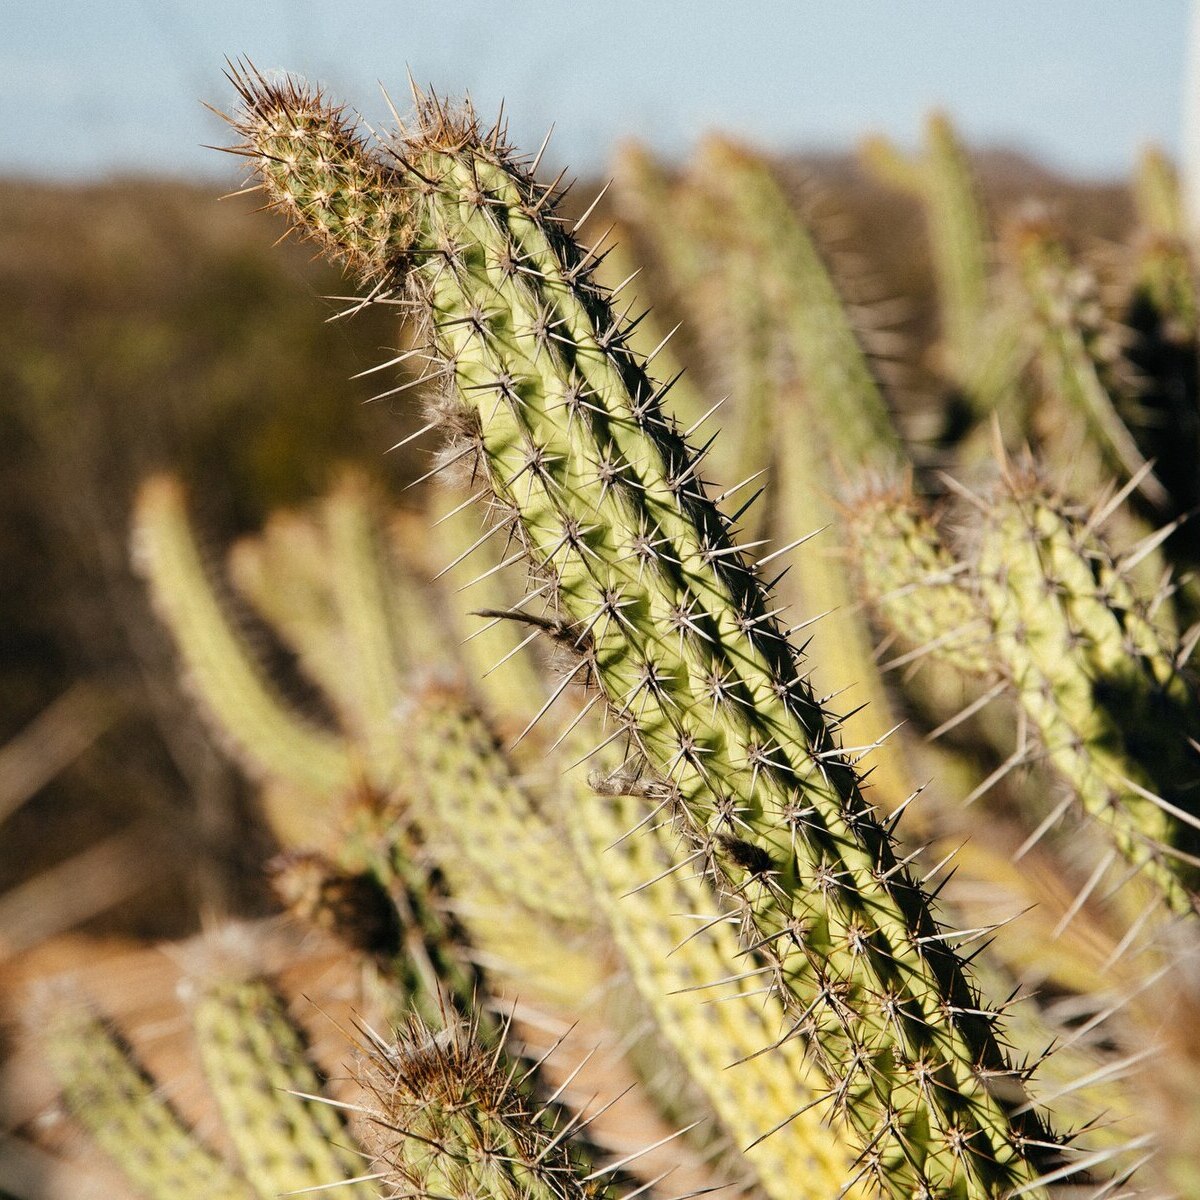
x=808 y=725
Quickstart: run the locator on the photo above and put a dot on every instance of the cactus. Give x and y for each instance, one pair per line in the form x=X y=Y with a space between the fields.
x=1099 y=684
x=510 y=842
x=1163 y=315
x=678 y=946
x=267 y=735
x=838 y=382
x=981 y=351
x=957 y=233
x=912 y=581
x=124 y=1113
x=1079 y=355
x=713 y=284
x=671 y=621
x=791 y=366
x=354 y=604
x=1156 y=195
x=267 y=1092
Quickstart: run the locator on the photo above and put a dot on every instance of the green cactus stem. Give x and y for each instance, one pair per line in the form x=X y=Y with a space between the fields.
x=958 y=240
x=1044 y=608
x=1163 y=313
x=477 y=803
x=768 y=324
x=265 y=733
x=912 y=581
x=677 y=948
x=1079 y=353
x=562 y=424
x=835 y=375
x=1156 y=195
x=982 y=352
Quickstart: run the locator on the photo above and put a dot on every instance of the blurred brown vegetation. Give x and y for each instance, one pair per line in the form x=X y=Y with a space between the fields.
x=146 y=324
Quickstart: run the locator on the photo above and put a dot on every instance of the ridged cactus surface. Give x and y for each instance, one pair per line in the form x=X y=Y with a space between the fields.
x=269 y=1095
x=281 y=1133
x=576 y=766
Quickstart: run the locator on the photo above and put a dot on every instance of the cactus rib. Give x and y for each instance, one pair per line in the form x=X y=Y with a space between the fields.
x=913 y=582
x=1096 y=680
x=674 y=941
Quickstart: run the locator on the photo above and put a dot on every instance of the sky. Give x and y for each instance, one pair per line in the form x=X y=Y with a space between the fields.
x=96 y=87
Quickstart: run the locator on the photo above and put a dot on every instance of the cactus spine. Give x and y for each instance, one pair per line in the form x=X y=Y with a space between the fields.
x=913 y=582
x=1095 y=679
x=671 y=620
x=678 y=948
x=792 y=367
x=1078 y=353
x=280 y=1133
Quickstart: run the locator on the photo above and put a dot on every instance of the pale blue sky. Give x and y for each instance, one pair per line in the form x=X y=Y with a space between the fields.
x=94 y=86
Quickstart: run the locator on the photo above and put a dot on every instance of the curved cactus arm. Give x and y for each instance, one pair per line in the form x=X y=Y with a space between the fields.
x=1166 y=266
x=1078 y=353
x=269 y=1094
x=371 y=599
x=264 y=733
x=126 y=1115
x=446 y=1119
x=1156 y=195
x=940 y=177
x=282 y=571
x=1098 y=684
x=672 y=622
